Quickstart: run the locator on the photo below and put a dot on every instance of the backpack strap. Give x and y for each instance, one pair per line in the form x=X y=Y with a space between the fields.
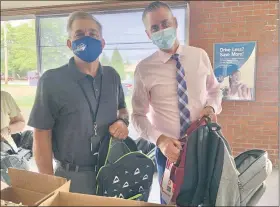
x=203 y=137
x=130 y=143
x=194 y=126
x=104 y=149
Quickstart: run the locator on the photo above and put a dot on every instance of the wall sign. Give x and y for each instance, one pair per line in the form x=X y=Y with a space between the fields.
x=33 y=78
x=235 y=69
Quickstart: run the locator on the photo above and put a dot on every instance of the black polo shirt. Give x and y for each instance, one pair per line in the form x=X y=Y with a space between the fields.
x=61 y=105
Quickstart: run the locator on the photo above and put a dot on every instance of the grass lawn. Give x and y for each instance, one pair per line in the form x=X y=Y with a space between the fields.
x=24 y=96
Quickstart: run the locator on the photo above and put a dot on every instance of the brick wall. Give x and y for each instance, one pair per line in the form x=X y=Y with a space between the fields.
x=246 y=125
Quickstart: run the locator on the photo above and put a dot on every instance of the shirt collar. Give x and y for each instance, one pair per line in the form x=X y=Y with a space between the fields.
x=76 y=74
x=164 y=57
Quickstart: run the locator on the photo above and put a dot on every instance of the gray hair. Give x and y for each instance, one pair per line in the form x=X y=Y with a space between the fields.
x=154 y=6
x=81 y=15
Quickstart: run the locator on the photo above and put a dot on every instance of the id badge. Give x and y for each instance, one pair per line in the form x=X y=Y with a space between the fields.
x=167 y=187
x=94 y=141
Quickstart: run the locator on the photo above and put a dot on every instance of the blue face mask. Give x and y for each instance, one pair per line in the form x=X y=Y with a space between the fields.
x=87 y=48
x=164 y=39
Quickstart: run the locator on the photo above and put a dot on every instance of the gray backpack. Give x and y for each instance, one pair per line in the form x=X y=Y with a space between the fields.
x=12 y=159
x=249 y=170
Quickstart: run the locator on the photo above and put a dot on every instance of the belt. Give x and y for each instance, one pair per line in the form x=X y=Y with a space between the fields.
x=76 y=168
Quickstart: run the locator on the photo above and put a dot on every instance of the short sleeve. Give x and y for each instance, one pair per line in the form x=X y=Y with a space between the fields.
x=121 y=96
x=13 y=109
x=44 y=109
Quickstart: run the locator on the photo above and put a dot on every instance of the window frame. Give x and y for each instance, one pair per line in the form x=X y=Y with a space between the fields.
x=88 y=7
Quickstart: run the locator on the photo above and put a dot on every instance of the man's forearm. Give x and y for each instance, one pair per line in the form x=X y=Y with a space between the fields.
x=144 y=127
x=17 y=124
x=16 y=127
x=42 y=149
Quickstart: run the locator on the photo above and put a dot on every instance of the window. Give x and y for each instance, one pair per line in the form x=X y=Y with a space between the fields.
x=18 y=48
x=127 y=35
x=53 y=36
x=126 y=43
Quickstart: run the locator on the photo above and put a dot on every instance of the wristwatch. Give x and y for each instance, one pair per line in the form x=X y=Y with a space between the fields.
x=126 y=121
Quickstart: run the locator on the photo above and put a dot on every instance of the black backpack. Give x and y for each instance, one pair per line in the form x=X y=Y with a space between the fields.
x=12 y=159
x=207 y=174
x=124 y=172
x=144 y=145
x=148 y=148
x=24 y=139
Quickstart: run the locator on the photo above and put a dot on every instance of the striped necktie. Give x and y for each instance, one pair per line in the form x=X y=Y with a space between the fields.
x=182 y=97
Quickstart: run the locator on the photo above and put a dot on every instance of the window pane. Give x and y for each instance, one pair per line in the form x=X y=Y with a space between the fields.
x=53 y=31
x=20 y=49
x=127 y=27
x=54 y=57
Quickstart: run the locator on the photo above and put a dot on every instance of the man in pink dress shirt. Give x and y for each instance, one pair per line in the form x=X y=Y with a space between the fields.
x=155 y=89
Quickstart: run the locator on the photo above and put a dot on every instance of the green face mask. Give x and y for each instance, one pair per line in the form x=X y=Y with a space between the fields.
x=164 y=39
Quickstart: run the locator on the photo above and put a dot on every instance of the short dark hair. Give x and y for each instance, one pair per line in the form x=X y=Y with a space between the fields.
x=81 y=15
x=154 y=6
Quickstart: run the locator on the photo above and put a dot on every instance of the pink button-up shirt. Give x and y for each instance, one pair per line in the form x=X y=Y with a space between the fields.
x=155 y=91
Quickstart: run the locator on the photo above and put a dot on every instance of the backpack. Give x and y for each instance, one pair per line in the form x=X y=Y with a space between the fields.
x=148 y=148
x=123 y=171
x=24 y=139
x=12 y=159
x=208 y=175
x=144 y=145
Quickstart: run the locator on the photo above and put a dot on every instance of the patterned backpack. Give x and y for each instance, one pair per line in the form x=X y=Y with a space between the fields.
x=124 y=172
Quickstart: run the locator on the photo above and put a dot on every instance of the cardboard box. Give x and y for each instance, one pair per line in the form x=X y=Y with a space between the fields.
x=75 y=199
x=30 y=188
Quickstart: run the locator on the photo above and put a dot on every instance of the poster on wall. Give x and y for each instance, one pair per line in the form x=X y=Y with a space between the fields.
x=33 y=78
x=235 y=69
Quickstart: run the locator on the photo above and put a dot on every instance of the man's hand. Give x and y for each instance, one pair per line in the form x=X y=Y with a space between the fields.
x=169 y=147
x=209 y=111
x=119 y=130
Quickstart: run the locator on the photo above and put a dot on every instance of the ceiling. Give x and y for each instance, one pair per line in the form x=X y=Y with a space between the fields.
x=26 y=4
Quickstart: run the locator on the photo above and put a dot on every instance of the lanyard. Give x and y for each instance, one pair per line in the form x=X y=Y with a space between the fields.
x=94 y=115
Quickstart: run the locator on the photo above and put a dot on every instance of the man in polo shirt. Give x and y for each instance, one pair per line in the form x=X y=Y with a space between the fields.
x=75 y=106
